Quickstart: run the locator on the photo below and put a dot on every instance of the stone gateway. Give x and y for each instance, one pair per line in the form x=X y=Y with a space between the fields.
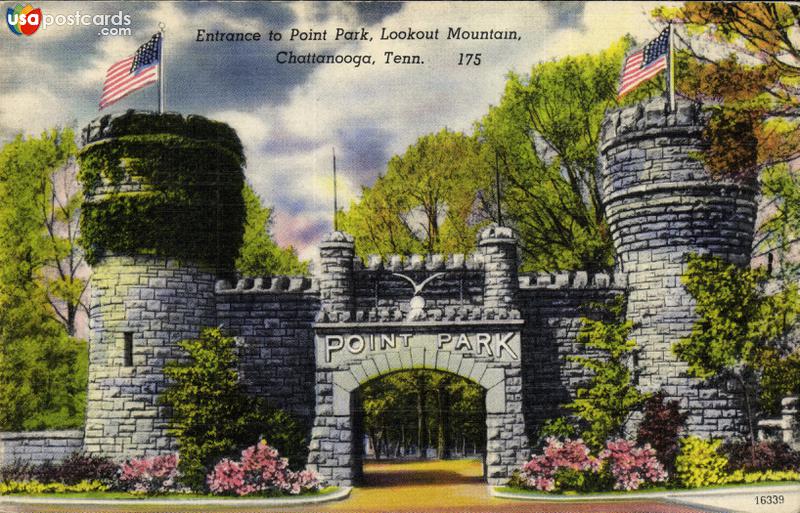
x=309 y=344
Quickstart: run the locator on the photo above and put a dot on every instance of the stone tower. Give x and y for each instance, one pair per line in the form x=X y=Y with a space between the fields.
x=661 y=204
x=162 y=204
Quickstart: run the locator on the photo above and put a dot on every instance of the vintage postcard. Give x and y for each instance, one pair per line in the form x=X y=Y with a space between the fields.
x=400 y=256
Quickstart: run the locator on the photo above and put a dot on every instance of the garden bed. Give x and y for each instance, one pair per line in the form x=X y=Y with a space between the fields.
x=331 y=493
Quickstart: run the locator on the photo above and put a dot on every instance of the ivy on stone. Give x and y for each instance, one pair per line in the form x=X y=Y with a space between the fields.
x=741 y=331
x=173 y=189
x=604 y=404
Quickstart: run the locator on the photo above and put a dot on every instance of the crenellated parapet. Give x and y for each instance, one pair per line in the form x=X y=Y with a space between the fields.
x=269 y=284
x=573 y=280
x=415 y=262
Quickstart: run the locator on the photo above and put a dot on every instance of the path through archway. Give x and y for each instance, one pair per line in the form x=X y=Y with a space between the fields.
x=349 y=355
x=418 y=415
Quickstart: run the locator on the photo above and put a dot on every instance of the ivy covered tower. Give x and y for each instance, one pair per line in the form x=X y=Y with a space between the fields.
x=162 y=219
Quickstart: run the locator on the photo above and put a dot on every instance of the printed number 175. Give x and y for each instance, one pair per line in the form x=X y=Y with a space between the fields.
x=467 y=59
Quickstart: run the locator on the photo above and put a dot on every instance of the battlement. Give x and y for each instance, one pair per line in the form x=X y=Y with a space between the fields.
x=651 y=117
x=573 y=280
x=268 y=285
x=457 y=262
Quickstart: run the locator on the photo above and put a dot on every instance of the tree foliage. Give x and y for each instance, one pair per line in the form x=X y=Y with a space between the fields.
x=42 y=370
x=741 y=59
x=259 y=254
x=544 y=136
x=542 y=140
x=213 y=417
x=604 y=404
x=407 y=412
x=426 y=202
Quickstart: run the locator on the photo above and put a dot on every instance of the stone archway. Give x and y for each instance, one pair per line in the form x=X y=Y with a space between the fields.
x=422 y=441
x=349 y=355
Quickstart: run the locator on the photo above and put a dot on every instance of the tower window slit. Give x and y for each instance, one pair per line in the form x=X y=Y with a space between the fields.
x=128 y=353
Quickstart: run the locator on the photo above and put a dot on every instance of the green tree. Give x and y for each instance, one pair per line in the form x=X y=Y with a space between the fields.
x=425 y=203
x=543 y=137
x=212 y=417
x=259 y=254
x=779 y=227
x=741 y=332
x=740 y=59
x=409 y=411
x=606 y=402
x=42 y=370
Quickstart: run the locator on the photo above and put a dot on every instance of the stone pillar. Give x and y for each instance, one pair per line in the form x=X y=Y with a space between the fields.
x=791 y=425
x=661 y=204
x=501 y=282
x=337 y=252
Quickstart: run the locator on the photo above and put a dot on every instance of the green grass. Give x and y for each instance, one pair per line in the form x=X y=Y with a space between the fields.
x=126 y=495
x=537 y=493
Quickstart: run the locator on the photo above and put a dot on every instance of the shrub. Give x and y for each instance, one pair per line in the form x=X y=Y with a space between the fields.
x=604 y=404
x=699 y=463
x=213 y=417
x=17 y=471
x=569 y=466
x=260 y=471
x=559 y=427
x=158 y=474
x=740 y=476
x=77 y=468
x=560 y=466
x=632 y=466
x=660 y=427
x=35 y=487
x=769 y=455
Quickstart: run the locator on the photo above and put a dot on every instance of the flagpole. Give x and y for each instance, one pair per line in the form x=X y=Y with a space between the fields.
x=335 y=198
x=671 y=73
x=161 y=63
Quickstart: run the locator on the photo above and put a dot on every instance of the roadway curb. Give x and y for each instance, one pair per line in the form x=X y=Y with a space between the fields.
x=341 y=493
x=695 y=497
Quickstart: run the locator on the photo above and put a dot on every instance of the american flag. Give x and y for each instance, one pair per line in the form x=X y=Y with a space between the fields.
x=645 y=63
x=132 y=73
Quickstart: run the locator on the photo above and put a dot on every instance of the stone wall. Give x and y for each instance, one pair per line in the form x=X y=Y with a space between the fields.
x=552 y=306
x=37 y=447
x=661 y=204
x=272 y=320
x=158 y=302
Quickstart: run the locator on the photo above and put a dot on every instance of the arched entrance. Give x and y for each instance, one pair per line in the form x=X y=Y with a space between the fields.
x=348 y=355
x=407 y=418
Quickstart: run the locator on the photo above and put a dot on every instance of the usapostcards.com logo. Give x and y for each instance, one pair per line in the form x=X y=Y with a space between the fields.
x=24 y=20
x=27 y=20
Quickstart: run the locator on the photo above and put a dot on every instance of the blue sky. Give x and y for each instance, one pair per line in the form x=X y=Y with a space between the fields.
x=291 y=116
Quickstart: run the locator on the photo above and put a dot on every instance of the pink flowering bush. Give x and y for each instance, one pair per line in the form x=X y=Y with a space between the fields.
x=158 y=474
x=569 y=465
x=632 y=466
x=260 y=471
x=561 y=463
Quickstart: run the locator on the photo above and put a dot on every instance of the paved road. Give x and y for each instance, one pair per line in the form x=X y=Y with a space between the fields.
x=435 y=487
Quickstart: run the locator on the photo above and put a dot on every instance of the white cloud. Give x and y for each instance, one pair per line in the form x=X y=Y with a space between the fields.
x=31 y=111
